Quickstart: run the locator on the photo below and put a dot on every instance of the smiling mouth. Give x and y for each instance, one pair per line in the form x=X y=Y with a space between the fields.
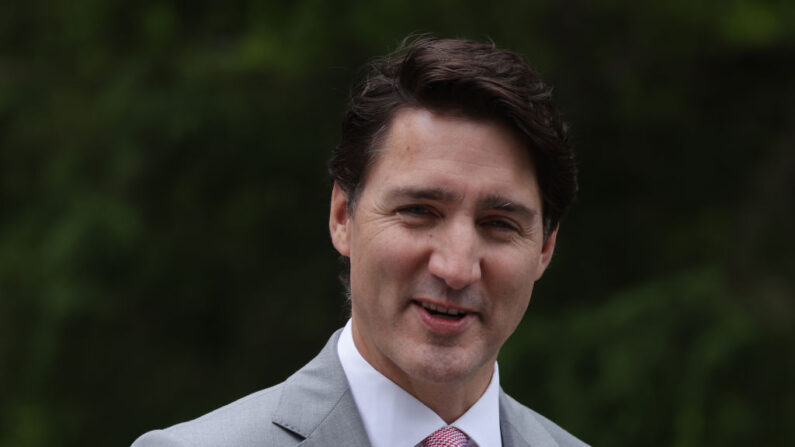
x=446 y=313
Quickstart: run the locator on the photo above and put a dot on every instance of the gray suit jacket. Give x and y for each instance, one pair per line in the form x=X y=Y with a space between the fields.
x=314 y=408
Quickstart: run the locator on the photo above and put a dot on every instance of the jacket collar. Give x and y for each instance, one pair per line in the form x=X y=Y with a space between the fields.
x=519 y=426
x=316 y=403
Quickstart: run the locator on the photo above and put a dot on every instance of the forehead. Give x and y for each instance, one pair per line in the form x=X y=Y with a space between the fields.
x=425 y=146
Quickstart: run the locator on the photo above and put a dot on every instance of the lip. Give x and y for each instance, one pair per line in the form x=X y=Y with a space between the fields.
x=443 y=326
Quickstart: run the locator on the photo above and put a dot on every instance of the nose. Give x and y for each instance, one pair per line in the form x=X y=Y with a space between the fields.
x=455 y=258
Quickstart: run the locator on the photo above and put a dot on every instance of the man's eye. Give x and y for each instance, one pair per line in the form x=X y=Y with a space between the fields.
x=500 y=224
x=415 y=210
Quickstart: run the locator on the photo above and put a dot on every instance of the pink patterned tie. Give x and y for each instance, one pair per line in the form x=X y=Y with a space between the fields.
x=446 y=437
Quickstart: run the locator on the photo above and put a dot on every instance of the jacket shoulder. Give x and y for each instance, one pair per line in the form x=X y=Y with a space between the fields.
x=244 y=422
x=520 y=419
x=281 y=416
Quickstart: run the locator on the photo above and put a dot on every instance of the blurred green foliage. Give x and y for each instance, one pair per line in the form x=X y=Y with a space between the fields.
x=163 y=209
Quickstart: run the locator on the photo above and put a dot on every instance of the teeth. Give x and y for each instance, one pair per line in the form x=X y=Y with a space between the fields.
x=440 y=309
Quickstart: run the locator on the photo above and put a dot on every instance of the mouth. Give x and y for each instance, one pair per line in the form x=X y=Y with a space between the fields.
x=443 y=312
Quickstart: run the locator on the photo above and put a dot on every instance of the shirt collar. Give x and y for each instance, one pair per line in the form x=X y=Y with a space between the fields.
x=394 y=418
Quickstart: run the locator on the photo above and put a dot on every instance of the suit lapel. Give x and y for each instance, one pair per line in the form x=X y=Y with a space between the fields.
x=343 y=426
x=519 y=427
x=317 y=405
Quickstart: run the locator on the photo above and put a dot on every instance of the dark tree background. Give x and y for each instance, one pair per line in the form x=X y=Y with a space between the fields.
x=163 y=210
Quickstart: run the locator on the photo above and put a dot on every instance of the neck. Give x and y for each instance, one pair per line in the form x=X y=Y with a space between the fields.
x=449 y=398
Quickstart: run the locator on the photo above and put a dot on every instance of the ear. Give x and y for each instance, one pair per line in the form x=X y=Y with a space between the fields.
x=339 y=221
x=546 y=253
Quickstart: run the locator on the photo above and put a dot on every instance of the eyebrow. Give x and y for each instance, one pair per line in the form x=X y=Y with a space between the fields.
x=437 y=194
x=490 y=202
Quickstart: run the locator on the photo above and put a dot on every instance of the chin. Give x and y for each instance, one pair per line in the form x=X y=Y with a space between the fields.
x=446 y=367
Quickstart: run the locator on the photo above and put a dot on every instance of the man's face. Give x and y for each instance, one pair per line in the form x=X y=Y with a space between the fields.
x=445 y=243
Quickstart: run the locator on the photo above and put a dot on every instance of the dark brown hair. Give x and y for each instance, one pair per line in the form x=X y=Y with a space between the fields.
x=474 y=79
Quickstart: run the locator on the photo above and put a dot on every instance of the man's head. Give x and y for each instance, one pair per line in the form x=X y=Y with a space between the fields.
x=450 y=180
x=473 y=79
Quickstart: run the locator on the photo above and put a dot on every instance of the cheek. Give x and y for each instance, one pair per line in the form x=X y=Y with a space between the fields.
x=387 y=261
x=512 y=297
x=395 y=250
x=511 y=283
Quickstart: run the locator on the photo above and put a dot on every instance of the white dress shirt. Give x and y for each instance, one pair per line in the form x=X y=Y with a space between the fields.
x=394 y=418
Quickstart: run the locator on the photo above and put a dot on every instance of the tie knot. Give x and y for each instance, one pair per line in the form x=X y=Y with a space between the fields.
x=446 y=437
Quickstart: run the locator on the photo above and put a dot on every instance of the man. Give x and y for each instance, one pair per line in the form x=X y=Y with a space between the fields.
x=450 y=179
